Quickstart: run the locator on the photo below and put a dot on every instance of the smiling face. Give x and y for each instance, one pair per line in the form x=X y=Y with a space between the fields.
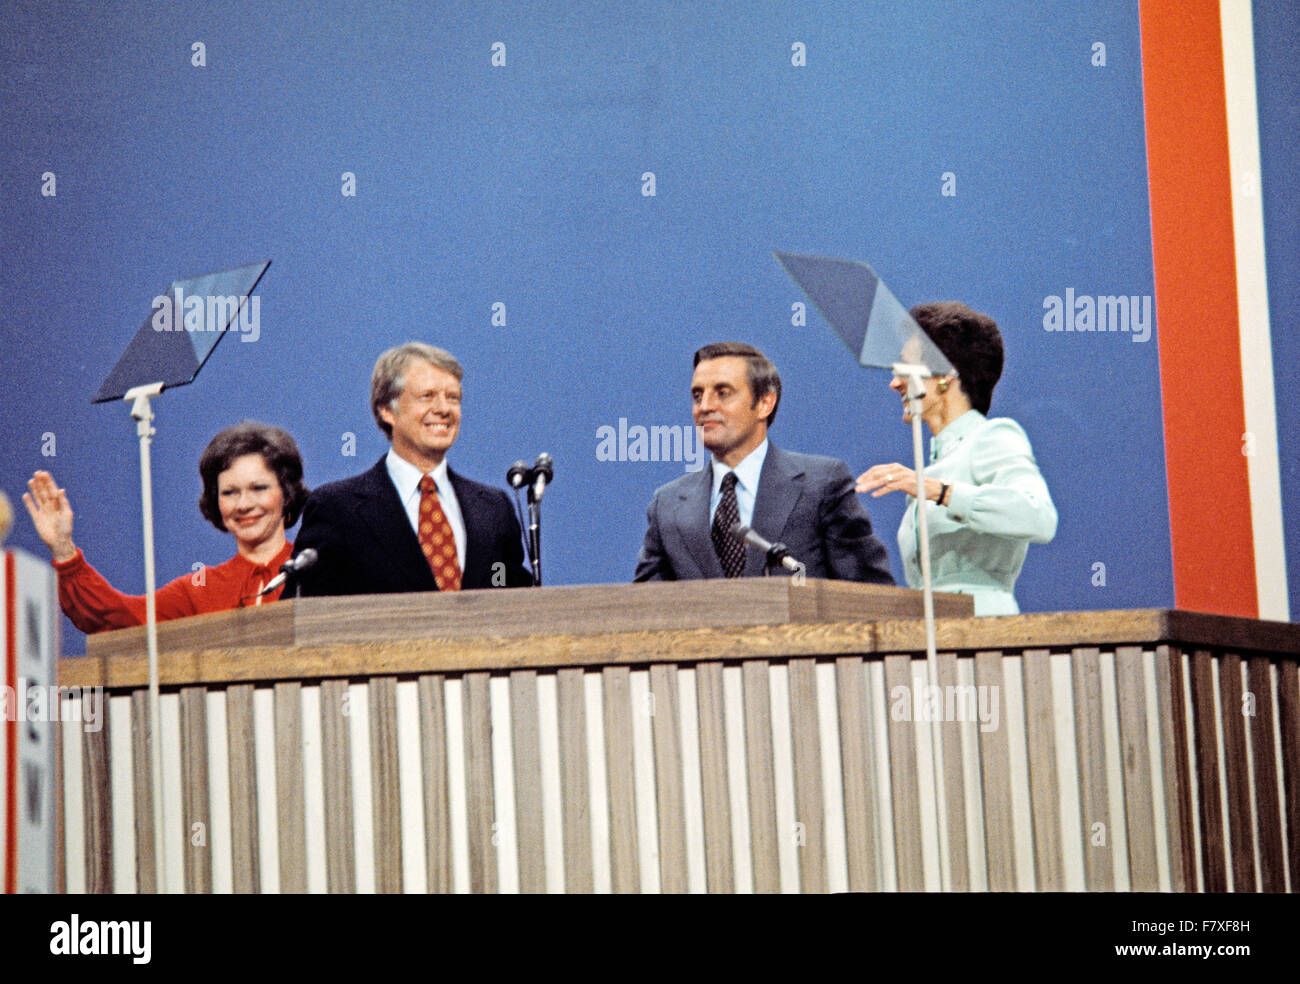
x=427 y=416
x=731 y=422
x=251 y=502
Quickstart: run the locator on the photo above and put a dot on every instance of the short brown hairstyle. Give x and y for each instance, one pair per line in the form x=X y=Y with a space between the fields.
x=277 y=449
x=971 y=342
x=763 y=377
x=389 y=378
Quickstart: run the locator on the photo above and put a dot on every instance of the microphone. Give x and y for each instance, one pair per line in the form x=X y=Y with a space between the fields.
x=775 y=552
x=542 y=473
x=291 y=566
x=517 y=475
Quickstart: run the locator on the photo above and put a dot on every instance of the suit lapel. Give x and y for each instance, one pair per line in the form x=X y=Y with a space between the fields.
x=381 y=510
x=691 y=517
x=478 y=533
x=779 y=486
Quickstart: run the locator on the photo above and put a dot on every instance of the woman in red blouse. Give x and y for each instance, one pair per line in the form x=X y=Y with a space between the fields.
x=252 y=488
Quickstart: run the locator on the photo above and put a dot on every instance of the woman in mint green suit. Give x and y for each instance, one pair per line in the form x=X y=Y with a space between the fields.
x=987 y=501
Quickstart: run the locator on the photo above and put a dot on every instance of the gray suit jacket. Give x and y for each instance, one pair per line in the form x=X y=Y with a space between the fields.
x=805 y=501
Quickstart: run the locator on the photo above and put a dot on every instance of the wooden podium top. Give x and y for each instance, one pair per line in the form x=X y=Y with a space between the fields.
x=581 y=610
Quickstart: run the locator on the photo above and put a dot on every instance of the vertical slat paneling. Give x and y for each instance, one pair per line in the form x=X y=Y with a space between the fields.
x=97 y=793
x=526 y=748
x=857 y=770
x=336 y=769
x=1268 y=795
x=995 y=773
x=903 y=780
x=385 y=785
x=762 y=776
x=1241 y=837
x=1135 y=754
x=1040 y=736
x=575 y=794
x=290 y=795
x=954 y=782
x=479 y=800
x=624 y=870
x=809 y=804
x=242 y=748
x=194 y=789
x=437 y=801
x=1288 y=710
x=1094 y=794
x=720 y=876
x=143 y=790
x=668 y=779
x=1175 y=765
x=1213 y=857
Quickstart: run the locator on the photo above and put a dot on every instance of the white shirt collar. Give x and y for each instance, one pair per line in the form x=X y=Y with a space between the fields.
x=406 y=476
x=747 y=472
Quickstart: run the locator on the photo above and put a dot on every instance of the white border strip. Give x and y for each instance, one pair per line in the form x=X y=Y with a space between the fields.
x=1252 y=310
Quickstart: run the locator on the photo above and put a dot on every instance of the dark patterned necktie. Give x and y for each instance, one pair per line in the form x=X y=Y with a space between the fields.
x=436 y=538
x=731 y=552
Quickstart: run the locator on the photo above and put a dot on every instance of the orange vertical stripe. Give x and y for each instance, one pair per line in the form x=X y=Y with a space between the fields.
x=1196 y=307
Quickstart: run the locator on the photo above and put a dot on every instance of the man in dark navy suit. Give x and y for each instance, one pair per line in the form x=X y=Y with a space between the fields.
x=805 y=501
x=410 y=523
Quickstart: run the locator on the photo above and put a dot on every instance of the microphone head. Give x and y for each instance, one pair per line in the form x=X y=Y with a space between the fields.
x=544 y=466
x=517 y=475
x=740 y=531
x=305 y=559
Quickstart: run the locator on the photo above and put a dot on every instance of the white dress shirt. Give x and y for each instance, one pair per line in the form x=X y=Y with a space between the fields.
x=406 y=479
x=747 y=475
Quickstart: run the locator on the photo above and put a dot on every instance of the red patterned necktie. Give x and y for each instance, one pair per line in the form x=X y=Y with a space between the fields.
x=436 y=539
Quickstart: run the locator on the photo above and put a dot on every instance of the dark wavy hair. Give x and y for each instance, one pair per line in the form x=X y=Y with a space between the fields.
x=763 y=377
x=277 y=449
x=971 y=342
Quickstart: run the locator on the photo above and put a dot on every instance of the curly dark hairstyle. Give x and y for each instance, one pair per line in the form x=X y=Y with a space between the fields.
x=970 y=341
x=763 y=377
x=277 y=449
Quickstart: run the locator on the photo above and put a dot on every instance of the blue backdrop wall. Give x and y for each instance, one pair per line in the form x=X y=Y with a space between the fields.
x=826 y=128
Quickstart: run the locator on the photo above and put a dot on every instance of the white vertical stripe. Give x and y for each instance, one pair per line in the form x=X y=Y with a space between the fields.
x=1069 y=805
x=453 y=695
x=733 y=721
x=1158 y=814
x=878 y=709
x=1275 y=679
x=692 y=788
x=643 y=758
x=505 y=836
x=1252 y=308
x=410 y=774
x=74 y=805
x=313 y=776
x=363 y=818
x=176 y=836
x=926 y=773
x=1114 y=766
x=1022 y=815
x=783 y=777
x=828 y=721
x=973 y=787
x=268 y=832
x=1193 y=771
x=1250 y=722
x=548 y=740
x=1216 y=664
x=122 y=780
x=597 y=784
x=219 y=838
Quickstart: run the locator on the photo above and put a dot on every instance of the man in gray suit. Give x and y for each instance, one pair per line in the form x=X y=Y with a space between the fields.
x=805 y=501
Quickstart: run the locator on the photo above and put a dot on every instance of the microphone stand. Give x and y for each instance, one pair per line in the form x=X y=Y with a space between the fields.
x=535 y=534
x=915 y=376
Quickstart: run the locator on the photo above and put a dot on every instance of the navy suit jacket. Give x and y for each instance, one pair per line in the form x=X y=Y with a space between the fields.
x=365 y=543
x=805 y=501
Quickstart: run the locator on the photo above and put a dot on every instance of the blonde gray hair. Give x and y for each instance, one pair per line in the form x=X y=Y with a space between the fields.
x=389 y=378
